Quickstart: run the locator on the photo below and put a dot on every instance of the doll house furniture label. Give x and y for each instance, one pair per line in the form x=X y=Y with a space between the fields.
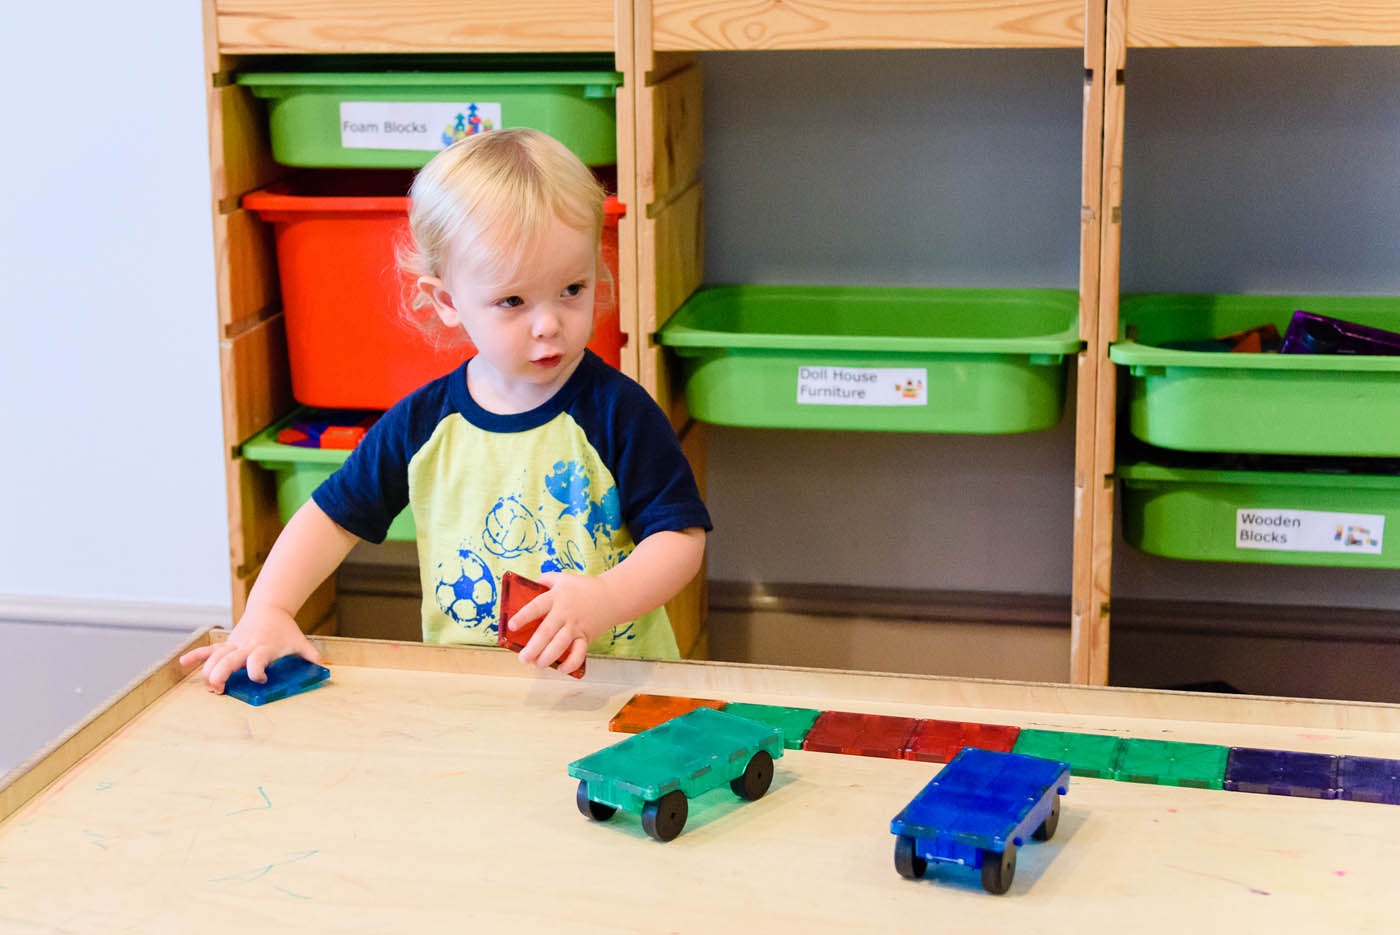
x=862 y=386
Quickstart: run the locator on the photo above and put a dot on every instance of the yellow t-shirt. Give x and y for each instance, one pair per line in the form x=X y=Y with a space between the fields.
x=570 y=486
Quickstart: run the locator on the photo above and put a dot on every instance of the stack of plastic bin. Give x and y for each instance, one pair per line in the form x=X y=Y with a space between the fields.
x=355 y=127
x=1342 y=412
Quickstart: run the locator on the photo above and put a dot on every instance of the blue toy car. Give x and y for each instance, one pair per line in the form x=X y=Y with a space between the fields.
x=977 y=811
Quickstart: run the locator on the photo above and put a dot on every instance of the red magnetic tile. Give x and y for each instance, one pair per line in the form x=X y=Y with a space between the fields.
x=342 y=436
x=643 y=712
x=516 y=592
x=860 y=734
x=939 y=741
x=291 y=436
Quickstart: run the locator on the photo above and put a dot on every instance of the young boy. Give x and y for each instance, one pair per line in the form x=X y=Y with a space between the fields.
x=534 y=456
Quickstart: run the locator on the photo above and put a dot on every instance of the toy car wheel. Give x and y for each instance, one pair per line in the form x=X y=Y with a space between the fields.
x=758 y=776
x=591 y=809
x=909 y=864
x=664 y=818
x=1046 y=831
x=998 y=869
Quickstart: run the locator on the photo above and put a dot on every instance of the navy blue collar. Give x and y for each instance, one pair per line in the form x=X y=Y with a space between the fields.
x=471 y=410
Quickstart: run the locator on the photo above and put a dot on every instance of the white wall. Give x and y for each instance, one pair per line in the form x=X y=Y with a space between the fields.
x=110 y=436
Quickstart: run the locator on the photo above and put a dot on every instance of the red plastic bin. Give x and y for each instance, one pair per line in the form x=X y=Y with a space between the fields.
x=348 y=342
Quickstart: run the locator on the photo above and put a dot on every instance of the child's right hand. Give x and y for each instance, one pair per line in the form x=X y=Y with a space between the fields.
x=262 y=636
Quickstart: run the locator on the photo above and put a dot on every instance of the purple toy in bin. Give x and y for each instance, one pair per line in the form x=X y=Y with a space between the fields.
x=1309 y=333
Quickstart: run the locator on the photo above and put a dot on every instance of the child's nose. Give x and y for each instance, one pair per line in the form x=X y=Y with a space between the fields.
x=545 y=323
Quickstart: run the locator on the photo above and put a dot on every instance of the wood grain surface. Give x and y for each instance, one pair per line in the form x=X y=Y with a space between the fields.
x=425 y=789
x=867 y=24
x=414 y=26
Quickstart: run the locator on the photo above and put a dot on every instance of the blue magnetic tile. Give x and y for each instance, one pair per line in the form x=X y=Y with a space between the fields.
x=980 y=796
x=287 y=676
x=1282 y=772
x=1369 y=779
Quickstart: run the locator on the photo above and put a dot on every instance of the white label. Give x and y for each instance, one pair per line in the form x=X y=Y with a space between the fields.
x=1309 y=531
x=862 y=386
x=425 y=125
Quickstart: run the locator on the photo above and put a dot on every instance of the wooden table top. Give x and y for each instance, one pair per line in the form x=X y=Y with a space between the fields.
x=425 y=789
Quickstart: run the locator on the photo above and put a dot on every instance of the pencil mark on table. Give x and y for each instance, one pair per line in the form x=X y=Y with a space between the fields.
x=248 y=876
x=1215 y=876
x=267 y=803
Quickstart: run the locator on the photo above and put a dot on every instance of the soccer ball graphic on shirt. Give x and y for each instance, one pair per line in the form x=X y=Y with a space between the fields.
x=466 y=589
x=511 y=530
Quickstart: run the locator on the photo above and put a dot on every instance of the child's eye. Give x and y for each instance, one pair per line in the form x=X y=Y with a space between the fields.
x=511 y=301
x=574 y=289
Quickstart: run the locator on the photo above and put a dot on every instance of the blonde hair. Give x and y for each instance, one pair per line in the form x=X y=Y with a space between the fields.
x=490 y=196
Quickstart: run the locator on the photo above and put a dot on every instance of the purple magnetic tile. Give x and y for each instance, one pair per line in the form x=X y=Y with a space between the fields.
x=1310 y=333
x=1282 y=772
x=1369 y=779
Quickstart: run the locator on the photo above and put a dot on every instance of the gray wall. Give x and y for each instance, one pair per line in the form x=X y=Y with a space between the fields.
x=1255 y=170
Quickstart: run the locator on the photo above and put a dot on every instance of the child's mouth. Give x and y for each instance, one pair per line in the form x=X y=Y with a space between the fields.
x=548 y=362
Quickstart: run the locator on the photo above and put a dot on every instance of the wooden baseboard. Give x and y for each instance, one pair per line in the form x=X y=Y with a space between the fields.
x=925 y=606
x=1277 y=621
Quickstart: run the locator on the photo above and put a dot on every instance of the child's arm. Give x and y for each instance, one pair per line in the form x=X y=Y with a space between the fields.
x=307 y=551
x=578 y=609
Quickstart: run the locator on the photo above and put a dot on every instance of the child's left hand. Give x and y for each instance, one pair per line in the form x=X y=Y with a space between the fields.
x=574 y=612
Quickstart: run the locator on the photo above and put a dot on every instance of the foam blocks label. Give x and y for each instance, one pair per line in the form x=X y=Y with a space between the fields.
x=862 y=386
x=417 y=125
x=1309 y=531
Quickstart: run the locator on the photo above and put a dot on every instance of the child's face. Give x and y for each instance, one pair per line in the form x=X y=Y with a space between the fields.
x=530 y=324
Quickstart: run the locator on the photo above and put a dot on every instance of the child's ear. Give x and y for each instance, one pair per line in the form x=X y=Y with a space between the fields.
x=435 y=292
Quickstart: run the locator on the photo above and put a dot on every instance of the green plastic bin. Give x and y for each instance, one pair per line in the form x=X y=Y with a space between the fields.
x=1249 y=516
x=400 y=119
x=979 y=361
x=1257 y=403
x=299 y=471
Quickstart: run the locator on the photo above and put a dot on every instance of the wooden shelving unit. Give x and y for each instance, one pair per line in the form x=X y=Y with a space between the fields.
x=660 y=156
x=1166 y=24
x=670 y=141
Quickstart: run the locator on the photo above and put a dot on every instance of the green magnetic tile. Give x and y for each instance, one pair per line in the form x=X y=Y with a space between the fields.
x=1171 y=763
x=1094 y=755
x=686 y=752
x=793 y=722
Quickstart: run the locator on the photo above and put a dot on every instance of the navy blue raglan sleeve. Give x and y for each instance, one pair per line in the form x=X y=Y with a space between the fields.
x=365 y=494
x=656 y=487
x=371 y=488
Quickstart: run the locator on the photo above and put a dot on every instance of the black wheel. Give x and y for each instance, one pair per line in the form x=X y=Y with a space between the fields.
x=998 y=869
x=664 y=818
x=591 y=809
x=1046 y=831
x=909 y=864
x=758 y=776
